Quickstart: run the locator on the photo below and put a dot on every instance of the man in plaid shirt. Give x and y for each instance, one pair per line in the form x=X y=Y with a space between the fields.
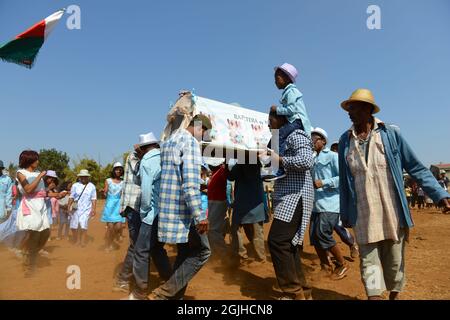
x=181 y=219
x=293 y=201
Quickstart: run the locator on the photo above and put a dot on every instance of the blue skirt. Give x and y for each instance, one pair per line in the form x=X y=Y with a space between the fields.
x=111 y=212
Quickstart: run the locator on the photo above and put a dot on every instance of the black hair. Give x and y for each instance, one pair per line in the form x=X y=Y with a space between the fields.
x=280 y=117
x=285 y=76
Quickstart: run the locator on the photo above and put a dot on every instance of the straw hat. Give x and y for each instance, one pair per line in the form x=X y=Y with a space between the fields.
x=84 y=173
x=362 y=95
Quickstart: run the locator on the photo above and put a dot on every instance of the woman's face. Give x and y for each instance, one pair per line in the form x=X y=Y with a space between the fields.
x=35 y=164
x=118 y=172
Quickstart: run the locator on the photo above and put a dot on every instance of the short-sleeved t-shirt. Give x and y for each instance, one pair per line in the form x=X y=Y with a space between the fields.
x=85 y=201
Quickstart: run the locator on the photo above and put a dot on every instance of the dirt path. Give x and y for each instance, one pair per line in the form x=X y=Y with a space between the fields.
x=427 y=269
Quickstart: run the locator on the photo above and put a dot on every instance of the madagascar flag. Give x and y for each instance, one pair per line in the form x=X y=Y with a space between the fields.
x=25 y=47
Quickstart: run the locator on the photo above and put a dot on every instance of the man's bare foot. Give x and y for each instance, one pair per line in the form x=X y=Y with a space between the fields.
x=375 y=298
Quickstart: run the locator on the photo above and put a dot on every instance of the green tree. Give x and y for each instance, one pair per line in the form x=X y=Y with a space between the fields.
x=52 y=159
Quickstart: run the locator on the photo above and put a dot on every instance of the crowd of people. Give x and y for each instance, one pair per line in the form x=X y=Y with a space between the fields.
x=167 y=193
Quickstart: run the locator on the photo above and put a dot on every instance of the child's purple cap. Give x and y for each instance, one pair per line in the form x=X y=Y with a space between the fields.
x=289 y=70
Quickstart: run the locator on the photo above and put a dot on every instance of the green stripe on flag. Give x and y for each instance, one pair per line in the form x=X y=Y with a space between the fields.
x=22 y=51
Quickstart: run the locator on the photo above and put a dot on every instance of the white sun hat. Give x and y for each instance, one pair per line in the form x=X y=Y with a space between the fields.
x=146 y=139
x=117 y=165
x=320 y=132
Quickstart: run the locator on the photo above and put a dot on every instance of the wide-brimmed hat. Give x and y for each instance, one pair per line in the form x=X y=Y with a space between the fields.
x=51 y=173
x=84 y=173
x=321 y=133
x=361 y=95
x=2 y=165
x=117 y=165
x=289 y=70
x=443 y=172
x=146 y=139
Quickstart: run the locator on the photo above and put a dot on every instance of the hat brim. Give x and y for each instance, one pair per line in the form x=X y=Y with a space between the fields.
x=83 y=175
x=147 y=143
x=345 y=104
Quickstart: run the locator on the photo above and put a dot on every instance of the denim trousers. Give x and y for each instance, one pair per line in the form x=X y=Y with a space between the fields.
x=190 y=259
x=134 y=224
x=148 y=247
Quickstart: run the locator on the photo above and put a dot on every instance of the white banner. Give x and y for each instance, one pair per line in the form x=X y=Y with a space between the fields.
x=235 y=127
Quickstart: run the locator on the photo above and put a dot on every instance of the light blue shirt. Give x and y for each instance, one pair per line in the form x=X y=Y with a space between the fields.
x=293 y=107
x=150 y=175
x=326 y=169
x=6 y=185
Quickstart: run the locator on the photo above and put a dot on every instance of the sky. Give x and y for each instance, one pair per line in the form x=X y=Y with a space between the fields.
x=93 y=91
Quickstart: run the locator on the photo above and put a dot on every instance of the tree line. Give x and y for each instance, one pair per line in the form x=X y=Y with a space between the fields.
x=59 y=161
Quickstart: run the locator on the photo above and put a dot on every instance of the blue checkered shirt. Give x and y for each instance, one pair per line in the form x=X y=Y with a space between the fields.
x=297 y=162
x=180 y=198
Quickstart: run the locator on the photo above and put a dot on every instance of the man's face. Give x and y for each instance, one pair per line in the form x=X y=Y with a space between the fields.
x=84 y=180
x=199 y=132
x=274 y=123
x=138 y=151
x=360 y=112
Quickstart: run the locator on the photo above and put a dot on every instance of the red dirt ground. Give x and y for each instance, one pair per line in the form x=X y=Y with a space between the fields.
x=427 y=270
